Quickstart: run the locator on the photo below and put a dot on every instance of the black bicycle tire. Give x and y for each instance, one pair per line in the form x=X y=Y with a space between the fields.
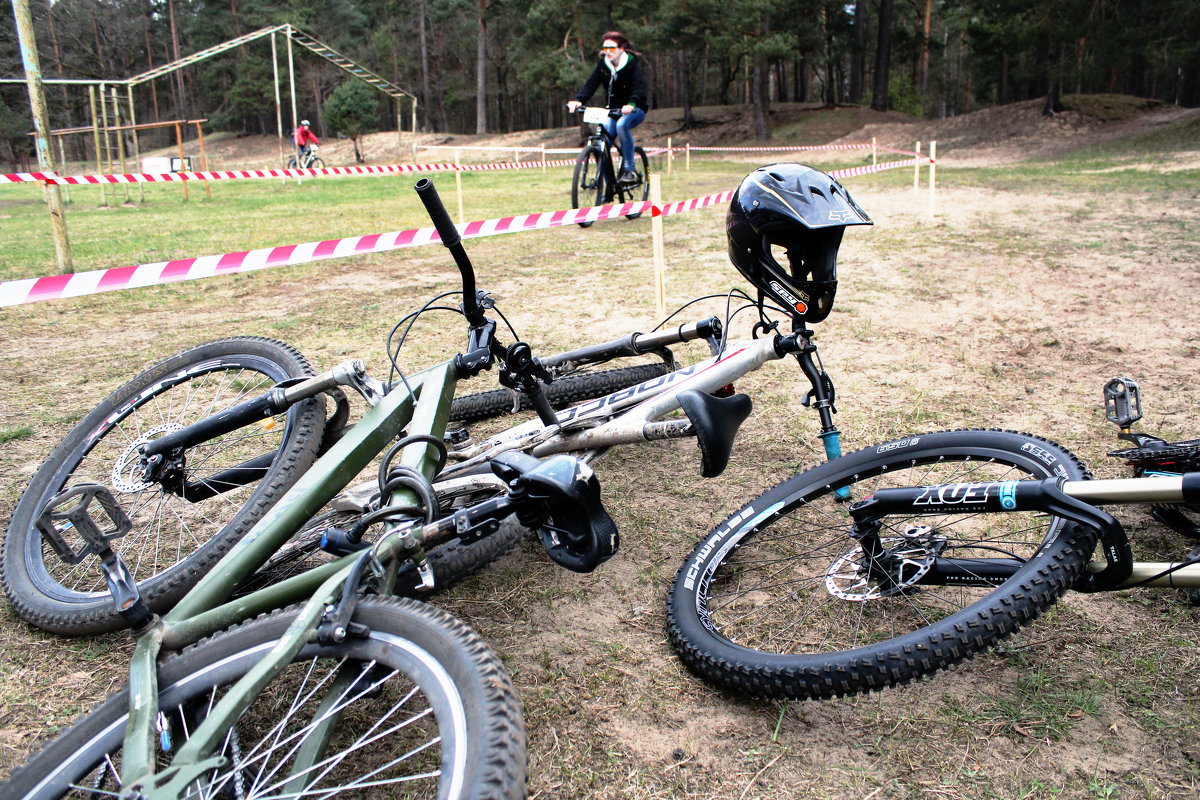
x=316 y=163
x=32 y=588
x=291 y=163
x=640 y=154
x=404 y=635
x=587 y=155
x=701 y=641
x=562 y=392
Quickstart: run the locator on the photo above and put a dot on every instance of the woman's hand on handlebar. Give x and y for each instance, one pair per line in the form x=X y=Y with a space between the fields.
x=573 y=106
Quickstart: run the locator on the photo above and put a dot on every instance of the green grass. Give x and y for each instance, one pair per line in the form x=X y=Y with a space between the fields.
x=251 y=214
x=14 y=434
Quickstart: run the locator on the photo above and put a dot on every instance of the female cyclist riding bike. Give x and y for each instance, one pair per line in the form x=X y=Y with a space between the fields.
x=621 y=73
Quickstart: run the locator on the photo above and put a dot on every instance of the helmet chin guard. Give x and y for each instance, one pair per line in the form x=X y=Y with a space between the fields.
x=797 y=213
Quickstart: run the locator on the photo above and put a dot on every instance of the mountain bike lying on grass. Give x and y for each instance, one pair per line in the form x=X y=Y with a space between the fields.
x=354 y=687
x=595 y=181
x=942 y=544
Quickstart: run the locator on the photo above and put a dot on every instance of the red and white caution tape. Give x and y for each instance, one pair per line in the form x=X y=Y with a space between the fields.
x=562 y=162
x=680 y=206
x=174 y=177
x=30 y=290
x=779 y=149
x=384 y=169
x=851 y=172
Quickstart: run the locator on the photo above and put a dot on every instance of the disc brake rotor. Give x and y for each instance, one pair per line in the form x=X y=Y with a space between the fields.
x=126 y=472
x=909 y=558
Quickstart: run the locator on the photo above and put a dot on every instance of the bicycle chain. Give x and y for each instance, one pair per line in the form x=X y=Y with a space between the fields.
x=1169 y=452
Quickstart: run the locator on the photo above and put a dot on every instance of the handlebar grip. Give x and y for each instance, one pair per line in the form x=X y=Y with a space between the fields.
x=437 y=212
x=453 y=242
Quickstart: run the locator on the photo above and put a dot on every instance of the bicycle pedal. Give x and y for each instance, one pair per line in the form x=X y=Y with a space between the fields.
x=69 y=512
x=1122 y=402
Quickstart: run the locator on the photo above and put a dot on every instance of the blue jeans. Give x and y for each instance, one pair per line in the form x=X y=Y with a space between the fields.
x=619 y=128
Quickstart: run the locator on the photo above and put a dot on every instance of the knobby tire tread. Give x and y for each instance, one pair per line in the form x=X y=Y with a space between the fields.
x=589 y=160
x=562 y=392
x=1013 y=604
x=498 y=756
x=644 y=188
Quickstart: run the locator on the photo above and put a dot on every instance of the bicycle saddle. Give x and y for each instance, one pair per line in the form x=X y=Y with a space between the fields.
x=716 y=420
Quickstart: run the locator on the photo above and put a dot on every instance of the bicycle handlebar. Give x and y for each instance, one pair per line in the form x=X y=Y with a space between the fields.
x=612 y=112
x=453 y=242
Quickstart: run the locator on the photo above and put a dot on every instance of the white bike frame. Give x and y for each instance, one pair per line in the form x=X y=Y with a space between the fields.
x=633 y=415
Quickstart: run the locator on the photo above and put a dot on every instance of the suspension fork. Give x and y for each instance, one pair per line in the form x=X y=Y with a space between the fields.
x=1068 y=500
x=821 y=397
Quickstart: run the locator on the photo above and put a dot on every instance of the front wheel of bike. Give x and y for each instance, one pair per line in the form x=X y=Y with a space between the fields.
x=183 y=523
x=781 y=601
x=316 y=163
x=639 y=192
x=587 y=186
x=416 y=707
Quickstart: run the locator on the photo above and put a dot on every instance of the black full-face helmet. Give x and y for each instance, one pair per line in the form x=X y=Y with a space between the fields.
x=797 y=212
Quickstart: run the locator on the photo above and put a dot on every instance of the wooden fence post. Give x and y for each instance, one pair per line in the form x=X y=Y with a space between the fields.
x=932 y=167
x=656 y=232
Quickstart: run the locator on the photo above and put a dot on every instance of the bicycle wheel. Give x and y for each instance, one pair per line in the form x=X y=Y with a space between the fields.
x=316 y=163
x=291 y=163
x=778 y=602
x=563 y=392
x=587 y=186
x=182 y=526
x=639 y=192
x=422 y=709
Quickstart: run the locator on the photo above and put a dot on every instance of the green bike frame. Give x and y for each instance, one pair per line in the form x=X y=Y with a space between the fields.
x=420 y=405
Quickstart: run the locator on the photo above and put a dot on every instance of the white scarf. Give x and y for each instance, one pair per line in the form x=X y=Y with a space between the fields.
x=621 y=62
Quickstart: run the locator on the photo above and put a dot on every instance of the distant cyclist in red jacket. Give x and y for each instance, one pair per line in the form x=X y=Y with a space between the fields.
x=303 y=137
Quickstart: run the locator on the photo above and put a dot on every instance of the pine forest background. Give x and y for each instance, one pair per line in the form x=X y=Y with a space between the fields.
x=494 y=66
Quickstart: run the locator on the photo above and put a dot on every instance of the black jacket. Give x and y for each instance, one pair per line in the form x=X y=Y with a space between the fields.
x=624 y=87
